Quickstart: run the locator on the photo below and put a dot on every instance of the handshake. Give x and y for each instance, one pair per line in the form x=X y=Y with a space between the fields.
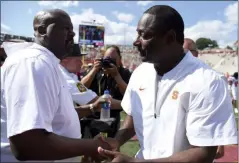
x=107 y=149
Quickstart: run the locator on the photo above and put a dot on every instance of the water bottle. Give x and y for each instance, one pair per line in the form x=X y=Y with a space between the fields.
x=105 y=109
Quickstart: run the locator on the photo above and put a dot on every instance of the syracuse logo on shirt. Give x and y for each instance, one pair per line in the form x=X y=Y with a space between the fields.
x=81 y=87
x=175 y=95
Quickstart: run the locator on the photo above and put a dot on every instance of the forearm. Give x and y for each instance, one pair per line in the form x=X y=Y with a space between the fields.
x=116 y=104
x=126 y=132
x=121 y=84
x=49 y=146
x=87 y=80
x=195 y=155
x=83 y=111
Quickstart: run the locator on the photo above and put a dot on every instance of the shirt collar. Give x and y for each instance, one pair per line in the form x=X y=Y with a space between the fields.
x=74 y=76
x=48 y=52
x=179 y=67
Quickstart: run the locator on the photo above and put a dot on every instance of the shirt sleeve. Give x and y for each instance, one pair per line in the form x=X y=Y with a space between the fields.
x=126 y=102
x=80 y=94
x=31 y=96
x=210 y=118
x=234 y=90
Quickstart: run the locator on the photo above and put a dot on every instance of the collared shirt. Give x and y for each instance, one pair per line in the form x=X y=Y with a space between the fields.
x=191 y=103
x=80 y=94
x=234 y=89
x=34 y=95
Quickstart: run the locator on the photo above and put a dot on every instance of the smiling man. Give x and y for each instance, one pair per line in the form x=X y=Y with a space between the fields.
x=180 y=109
x=38 y=119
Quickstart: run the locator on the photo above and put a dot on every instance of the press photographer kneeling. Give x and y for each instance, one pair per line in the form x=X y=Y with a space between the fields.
x=108 y=73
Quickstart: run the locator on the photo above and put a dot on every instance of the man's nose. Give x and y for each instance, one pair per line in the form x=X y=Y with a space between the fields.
x=136 y=42
x=72 y=33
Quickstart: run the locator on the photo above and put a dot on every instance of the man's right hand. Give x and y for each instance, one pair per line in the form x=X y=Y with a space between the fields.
x=106 y=143
x=97 y=65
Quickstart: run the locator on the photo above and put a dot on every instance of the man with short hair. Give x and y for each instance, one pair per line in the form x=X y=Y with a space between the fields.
x=189 y=44
x=180 y=109
x=38 y=118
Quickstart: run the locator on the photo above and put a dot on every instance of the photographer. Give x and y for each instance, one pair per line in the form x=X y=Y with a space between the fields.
x=108 y=73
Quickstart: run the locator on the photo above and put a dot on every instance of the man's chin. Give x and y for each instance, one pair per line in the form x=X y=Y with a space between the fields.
x=143 y=59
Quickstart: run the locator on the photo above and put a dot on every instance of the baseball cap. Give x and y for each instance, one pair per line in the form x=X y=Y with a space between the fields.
x=76 y=52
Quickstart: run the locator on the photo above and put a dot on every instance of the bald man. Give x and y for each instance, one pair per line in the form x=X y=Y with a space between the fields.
x=38 y=119
x=189 y=44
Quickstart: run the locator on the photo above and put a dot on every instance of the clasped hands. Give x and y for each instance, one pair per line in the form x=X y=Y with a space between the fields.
x=108 y=149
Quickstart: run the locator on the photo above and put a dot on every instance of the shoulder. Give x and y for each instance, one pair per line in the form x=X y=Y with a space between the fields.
x=30 y=58
x=204 y=78
x=29 y=64
x=142 y=69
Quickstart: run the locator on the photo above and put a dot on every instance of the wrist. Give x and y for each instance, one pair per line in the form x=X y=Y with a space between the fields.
x=92 y=108
x=117 y=77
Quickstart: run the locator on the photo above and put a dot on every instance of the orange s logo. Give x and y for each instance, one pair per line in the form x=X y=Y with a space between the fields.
x=175 y=95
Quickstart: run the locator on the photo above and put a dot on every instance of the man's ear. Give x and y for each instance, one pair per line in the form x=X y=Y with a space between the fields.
x=41 y=30
x=170 y=36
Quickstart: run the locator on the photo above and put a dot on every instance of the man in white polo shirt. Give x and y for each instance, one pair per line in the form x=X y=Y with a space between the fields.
x=180 y=109
x=38 y=119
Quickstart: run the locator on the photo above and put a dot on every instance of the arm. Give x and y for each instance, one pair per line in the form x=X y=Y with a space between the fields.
x=84 y=110
x=42 y=145
x=116 y=104
x=126 y=132
x=32 y=89
x=121 y=83
x=87 y=80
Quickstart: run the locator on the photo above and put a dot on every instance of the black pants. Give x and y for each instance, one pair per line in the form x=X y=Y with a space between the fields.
x=89 y=131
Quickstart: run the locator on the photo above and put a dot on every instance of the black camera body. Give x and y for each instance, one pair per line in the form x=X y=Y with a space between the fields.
x=105 y=62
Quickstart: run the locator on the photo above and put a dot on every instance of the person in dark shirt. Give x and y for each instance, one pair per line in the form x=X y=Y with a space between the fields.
x=115 y=79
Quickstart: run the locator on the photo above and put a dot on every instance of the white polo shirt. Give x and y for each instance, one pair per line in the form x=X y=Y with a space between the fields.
x=80 y=94
x=34 y=95
x=193 y=106
x=234 y=89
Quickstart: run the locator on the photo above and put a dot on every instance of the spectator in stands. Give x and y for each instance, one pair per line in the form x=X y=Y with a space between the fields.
x=190 y=45
x=179 y=108
x=115 y=79
x=38 y=119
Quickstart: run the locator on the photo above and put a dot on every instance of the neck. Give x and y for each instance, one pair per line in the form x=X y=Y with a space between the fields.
x=44 y=45
x=163 y=68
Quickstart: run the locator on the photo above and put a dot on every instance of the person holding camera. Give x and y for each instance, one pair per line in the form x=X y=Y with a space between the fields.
x=108 y=73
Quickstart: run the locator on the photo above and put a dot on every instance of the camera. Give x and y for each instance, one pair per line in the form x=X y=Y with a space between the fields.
x=105 y=62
